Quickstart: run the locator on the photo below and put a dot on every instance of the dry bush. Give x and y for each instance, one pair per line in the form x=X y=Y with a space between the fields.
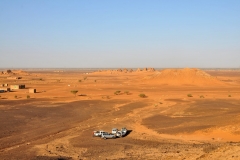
x=127 y=92
x=142 y=95
x=117 y=92
x=74 y=92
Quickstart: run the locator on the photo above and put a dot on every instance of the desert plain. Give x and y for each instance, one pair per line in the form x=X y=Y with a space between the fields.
x=169 y=113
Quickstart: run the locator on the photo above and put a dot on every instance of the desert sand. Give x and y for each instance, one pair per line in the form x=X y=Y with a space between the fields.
x=185 y=114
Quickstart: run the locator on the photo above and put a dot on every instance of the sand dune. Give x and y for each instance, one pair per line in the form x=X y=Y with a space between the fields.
x=186 y=76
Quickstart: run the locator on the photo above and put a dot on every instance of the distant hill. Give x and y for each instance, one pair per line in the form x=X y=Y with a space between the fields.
x=186 y=76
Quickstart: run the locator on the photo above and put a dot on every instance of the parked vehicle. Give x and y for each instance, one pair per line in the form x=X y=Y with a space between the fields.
x=98 y=133
x=115 y=133
x=106 y=135
x=122 y=132
x=119 y=133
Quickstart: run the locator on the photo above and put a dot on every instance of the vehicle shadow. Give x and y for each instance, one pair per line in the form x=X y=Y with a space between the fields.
x=52 y=158
x=128 y=132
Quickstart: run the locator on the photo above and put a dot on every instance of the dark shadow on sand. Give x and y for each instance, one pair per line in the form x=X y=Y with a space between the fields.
x=128 y=132
x=52 y=158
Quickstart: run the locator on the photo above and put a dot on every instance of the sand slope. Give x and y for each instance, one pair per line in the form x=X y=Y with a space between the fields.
x=186 y=76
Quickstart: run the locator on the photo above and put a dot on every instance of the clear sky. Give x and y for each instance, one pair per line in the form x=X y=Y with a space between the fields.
x=119 y=33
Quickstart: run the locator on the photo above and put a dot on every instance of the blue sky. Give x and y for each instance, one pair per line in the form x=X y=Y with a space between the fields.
x=126 y=34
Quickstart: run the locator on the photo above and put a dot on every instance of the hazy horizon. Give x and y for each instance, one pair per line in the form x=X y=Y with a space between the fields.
x=119 y=34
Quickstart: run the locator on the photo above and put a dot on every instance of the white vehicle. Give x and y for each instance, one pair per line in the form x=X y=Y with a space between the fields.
x=115 y=133
x=106 y=135
x=119 y=133
x=98 y=133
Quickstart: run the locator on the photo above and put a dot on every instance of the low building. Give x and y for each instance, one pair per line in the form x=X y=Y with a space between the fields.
x=31 y=90
x=17 y=86
x=5 y=89
x=14 y=77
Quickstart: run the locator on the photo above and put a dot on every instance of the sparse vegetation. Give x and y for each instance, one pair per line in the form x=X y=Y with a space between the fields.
x=79 y=80
x=117 y=92
x=127 y=92
x=28 y=96
x=74 y=92
x=15 y=97
x=95 y=80
x=202 y=96
x=229 y=95
x=84 y=78
x=189 y=95
x=142 y=95
x=105 y=97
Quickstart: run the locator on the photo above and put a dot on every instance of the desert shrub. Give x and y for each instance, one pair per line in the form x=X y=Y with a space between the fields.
x=95 y=80
x=142 y=95
x=15 y=96
x=117 y=92
x=74 y=92
x=84 y=78
x=28 y=96
x=201 y=96
x=189 y=95
x=229 y=95
x=105 y=97
x=127 y=92
x=79 y=80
